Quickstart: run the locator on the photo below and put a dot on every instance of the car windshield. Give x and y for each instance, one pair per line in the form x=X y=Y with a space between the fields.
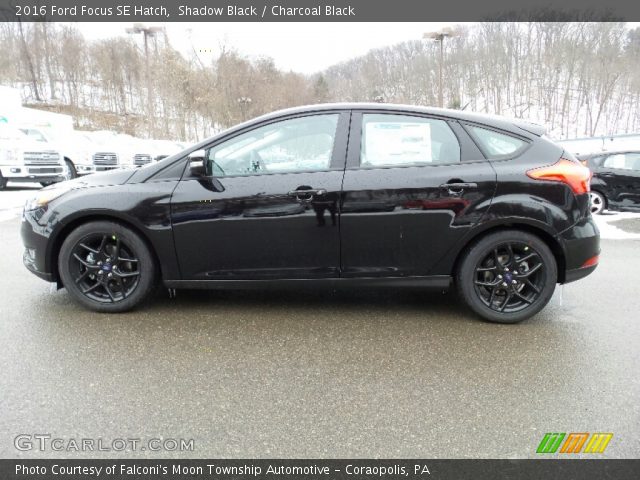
x=9 y=133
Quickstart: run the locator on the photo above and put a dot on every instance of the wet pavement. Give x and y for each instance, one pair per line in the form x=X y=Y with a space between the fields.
x=378 y=373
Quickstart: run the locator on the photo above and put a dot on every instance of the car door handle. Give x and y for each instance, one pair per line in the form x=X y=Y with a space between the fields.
x=457 y=188
x=307 y=194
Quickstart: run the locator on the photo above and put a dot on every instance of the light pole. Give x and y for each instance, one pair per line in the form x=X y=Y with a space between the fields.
x=146 y=32
x=439 y=36
x=243 y=102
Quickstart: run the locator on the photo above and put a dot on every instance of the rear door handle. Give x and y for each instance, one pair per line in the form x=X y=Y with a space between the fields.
x=457 y=188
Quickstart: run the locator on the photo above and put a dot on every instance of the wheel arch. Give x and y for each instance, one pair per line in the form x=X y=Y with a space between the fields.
x=60 y=236
x=554 y=245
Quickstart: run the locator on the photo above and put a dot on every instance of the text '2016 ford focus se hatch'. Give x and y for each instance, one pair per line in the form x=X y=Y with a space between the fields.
x=363 y=194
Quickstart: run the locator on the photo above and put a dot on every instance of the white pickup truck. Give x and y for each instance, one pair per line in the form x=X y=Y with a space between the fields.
x=25 y=160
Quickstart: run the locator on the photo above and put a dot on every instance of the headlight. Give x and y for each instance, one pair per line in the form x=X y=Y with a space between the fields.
x=46 y=196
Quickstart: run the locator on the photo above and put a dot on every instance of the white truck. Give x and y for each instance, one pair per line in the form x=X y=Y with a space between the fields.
x=25 y=160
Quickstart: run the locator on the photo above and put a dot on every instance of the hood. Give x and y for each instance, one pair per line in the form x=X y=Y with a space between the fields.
x=111 y=177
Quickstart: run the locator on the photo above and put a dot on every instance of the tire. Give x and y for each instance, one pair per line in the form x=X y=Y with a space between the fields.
x=71 y=170
x=3 y=182
x=98 y=282
x=597 y=202
x=489 y=285
x=46 y=184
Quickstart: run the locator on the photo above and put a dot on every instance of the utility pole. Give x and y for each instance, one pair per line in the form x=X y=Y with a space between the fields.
x=243 y=102
x=439 y=36
x=147 y=32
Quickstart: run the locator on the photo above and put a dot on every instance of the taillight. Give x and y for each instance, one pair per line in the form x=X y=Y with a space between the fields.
x=566 y=171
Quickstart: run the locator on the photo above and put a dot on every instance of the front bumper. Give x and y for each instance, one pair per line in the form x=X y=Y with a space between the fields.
x=45 y=173
x=36 y=241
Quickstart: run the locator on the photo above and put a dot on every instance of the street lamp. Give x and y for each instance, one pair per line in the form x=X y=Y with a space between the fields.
x=243 y=102
x=146 y=32
x=439 y=36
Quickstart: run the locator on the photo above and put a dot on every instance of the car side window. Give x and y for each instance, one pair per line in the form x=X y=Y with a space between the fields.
x=294 y=145
x=497 y=144
x=398 y=140
x=623 y=161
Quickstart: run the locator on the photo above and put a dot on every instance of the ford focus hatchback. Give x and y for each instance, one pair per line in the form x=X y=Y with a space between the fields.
x=341 y=194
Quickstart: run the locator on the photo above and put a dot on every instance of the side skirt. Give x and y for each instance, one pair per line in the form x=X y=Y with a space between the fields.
x=431 y=282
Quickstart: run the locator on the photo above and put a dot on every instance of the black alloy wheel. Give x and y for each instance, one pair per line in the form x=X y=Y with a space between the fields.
x=106 y=267
x=508 y=276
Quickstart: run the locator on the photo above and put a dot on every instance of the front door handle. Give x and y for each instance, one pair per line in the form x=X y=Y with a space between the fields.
x=457 y=188
x=307 y=194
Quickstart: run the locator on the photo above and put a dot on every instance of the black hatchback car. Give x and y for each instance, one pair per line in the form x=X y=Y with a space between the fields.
x=616 y=180
x=341 y=194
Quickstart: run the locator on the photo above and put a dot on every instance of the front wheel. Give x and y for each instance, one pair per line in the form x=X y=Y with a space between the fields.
x=71 y=170
x=107 y=267
x=507 y=276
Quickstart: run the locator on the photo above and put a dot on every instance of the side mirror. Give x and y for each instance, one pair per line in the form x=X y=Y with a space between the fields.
x=197 y=163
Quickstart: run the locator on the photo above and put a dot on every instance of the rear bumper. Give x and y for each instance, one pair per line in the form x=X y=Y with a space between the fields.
x=581 y=243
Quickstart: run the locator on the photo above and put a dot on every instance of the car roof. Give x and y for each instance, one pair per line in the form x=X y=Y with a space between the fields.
x=504 y=123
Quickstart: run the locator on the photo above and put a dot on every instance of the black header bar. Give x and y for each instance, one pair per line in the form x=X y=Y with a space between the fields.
x=316 y=10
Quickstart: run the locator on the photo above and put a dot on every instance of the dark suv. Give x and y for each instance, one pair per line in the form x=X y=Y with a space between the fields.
x=616 y=180
x=342 y=194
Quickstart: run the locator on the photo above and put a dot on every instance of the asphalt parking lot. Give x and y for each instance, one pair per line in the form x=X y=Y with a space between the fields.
x=397 y=373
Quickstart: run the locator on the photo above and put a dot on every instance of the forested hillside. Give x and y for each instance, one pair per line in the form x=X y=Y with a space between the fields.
x=580 y=79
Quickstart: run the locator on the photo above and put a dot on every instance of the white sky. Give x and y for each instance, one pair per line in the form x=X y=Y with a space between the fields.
x=303 y=47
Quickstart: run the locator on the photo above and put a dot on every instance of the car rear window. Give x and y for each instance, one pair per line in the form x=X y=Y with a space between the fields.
x=497 y=144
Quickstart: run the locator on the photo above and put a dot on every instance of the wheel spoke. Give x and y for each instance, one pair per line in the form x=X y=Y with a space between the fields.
x=123 y=289
x=486 y=269
x=84 y=262
x=91 y=288
x=83 y=276
x=126 y=274
x=492 y=297
x=116 y=252
x=103 y=243
x=109 y=292
x=87 y=247
x=532 y=285
x=487 y=284
x=522 y=297
x=527 y=257
x=531 y=271
x=122 y=259
x=512 y=256
x=506 y=301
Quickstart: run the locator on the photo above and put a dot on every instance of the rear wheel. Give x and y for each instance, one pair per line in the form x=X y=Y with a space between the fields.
x=107 y=267
x=507 y=276
x=597 y=202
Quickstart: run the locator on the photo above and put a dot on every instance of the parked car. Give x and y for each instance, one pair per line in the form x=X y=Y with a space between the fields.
x=616 y=180
x=346 y=194
x=75 y=147
x=107 y=152
x=25 y=160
